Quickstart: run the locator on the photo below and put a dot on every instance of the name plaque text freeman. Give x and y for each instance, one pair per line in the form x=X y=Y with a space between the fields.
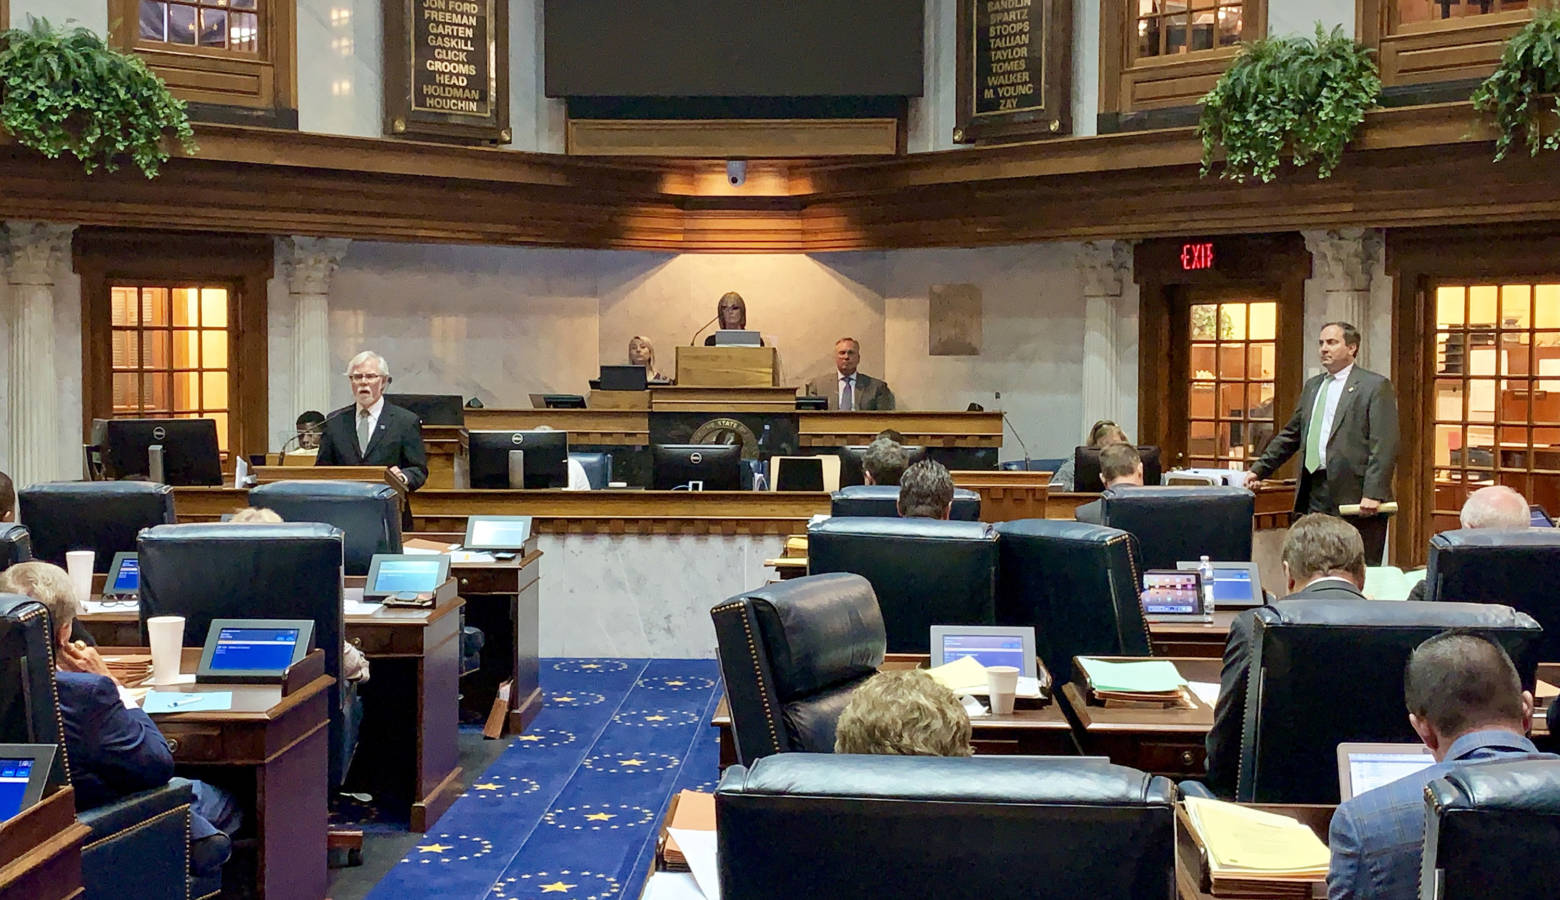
x=447 y=69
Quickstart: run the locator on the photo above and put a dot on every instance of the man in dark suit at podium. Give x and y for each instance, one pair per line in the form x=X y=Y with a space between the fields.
x=371 y=432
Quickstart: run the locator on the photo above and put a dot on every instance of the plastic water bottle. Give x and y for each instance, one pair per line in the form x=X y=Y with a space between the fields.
x=1205 y=570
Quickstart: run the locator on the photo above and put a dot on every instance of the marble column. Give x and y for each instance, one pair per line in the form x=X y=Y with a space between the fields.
x=34 y=252
x=1105 y=266
x=308 y=264
x=1342 y=260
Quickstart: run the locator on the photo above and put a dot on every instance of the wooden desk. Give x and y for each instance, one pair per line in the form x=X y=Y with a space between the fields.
x=411 y=746
x=1162 y=741
x=280 y=744
x=447 y=447
x=40 y=851
x=1006 y=496
x=1028 y=731
x=504 y=600
x=1192 y=639
x=1188 y=866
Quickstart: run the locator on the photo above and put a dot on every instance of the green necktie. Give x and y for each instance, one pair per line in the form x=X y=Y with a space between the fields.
x=1313 y=434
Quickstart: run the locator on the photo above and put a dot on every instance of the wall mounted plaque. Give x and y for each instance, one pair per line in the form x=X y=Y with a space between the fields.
x=447 y=70
x=1015 y=70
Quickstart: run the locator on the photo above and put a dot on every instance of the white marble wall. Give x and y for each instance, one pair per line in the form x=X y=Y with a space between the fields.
x=608 y=595
x=1299 y=17
x=91 y=14
x=340 y=71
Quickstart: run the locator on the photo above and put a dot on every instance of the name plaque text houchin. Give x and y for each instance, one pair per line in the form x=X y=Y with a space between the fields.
x=1014 y=68
x=446 y=66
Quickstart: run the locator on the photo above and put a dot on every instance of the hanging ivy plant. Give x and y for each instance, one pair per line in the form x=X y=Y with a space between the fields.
x=1519 y=93
x=67 y=90
x=1298 y=97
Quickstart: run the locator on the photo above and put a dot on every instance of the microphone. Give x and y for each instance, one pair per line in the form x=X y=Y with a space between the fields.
x=1014 y=428
x=701 y=329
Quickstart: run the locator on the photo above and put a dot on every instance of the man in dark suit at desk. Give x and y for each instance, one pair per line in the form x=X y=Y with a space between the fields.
x=372 y=432
x=851 y=390
x=1120 y=464
x=1467 y=704
x=1324 y=559
x=114 y=748
x=1345 y=429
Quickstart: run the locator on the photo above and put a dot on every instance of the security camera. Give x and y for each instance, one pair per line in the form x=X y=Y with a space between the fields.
x=736 y=171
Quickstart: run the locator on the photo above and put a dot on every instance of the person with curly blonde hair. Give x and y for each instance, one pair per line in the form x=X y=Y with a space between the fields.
x=906 y=713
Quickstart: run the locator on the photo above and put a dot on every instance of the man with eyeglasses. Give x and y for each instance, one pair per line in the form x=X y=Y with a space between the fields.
x=372 y=432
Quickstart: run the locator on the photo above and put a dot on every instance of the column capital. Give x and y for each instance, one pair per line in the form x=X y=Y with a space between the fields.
x=1104 y=265
x=34 y=251
x=1342 y=259
x=309 y=262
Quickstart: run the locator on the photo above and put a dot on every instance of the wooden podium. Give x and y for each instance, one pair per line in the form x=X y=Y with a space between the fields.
x=727 y=367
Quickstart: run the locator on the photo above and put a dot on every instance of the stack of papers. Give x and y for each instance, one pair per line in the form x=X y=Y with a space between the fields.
x=1136 y=682
x=966 y=675
x=695 y=812
x=129 y=669
x=1251 y=851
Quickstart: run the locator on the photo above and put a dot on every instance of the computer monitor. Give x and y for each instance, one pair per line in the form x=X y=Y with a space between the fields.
x=189 y=450
x=717 y=467
x=624 y=378
x=990 y=645
x=798 y=473
x=1086 y=468
x=253 y=650
x=124 y=576
x=810 y=403
x=543 y=461
x=557 y=401
x=1538 y=518
x=1236 y=585
x=853 y=457
x=432 y=409
x=500 y=533
x=24 y=772
x=414 y=573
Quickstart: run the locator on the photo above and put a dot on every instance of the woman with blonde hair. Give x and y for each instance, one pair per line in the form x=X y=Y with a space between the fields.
x=642 y=353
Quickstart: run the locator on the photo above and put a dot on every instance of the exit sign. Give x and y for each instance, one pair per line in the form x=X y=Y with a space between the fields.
x=1197 y=257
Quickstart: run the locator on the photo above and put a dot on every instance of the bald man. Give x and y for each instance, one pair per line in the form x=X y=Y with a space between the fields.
x=1494 y=507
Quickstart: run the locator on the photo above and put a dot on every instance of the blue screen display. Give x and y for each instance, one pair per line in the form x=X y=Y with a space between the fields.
x=1537 y=518
x=129 y=579
x=409 y=575
x=988 y=649
x=259 y=649
x=14 y=774
x=1231 y=586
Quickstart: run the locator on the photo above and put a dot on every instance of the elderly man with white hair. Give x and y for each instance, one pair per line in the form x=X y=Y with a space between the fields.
x=372 y=432
x=1494 y=507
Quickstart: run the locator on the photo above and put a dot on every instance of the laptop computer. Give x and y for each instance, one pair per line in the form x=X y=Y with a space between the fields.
x=1171 y=595
x=734 y=337
x=1236 y=585
x=1366 y=766
x=623 y=378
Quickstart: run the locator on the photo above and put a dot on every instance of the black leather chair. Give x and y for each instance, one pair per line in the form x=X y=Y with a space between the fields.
x=290 y=570
x=1183 y=522
x=882 y=500
x=791 y=654
x=984 y=828
x=141 y=839
x=369 y=515
x=1520 y=569
x=15 y=545
x=1077 y=584
x=103 y=516
x=598 y=468
x=1327 y=671
x=1492 y=830
x=924 y=572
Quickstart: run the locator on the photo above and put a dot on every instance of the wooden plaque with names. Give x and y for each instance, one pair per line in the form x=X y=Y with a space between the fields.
x=1014 y=70
x=447 y=70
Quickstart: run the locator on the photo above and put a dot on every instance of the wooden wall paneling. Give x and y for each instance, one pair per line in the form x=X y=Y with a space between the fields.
x=267 y=79
x=733 y=138
x=1128 y=85
x=1427 y=52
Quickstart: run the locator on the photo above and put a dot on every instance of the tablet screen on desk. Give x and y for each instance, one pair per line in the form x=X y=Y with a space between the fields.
x=1538 y=518
x=1236 y=585
x=990 y=645
x=406 y=574
x=253 y=649
x=124 y=576
x=24 y=768
x=1167 y=593
x=497 y=532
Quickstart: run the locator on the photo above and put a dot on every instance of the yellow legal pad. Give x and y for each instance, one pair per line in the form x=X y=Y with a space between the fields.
x=1242 y=841
x=962 y=676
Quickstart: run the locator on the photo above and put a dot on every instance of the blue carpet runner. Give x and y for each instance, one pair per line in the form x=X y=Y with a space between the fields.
x=571 y=809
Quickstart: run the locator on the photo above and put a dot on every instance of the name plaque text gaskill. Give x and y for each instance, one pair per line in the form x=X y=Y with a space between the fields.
x=453 y=58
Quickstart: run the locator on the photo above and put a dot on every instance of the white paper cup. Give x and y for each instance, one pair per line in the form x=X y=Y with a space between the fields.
x=167 y=638
x=79 y=564
x=1002 y=682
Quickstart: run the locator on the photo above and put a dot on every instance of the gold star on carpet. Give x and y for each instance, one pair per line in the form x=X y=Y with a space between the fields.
x=676 y=683
x=591 y=666
x=633 y=762
x=486 y=786
x=557 y=887
x=435 y=848
x=599 y=817
x=528 y=737
x=655 y=718
x=564 y=699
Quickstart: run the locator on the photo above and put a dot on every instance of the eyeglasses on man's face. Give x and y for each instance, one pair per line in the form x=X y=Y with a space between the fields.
x=364 y=376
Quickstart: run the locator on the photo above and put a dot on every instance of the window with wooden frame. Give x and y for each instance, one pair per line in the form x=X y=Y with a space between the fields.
x=1233 y=375
x=234 y=55
x=175 y=327
x=1496 y=402
x=1165 y=54
x=1430 y=42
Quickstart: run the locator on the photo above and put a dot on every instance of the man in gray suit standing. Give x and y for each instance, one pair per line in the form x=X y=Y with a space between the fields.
x=1345 y=429
x=850 y=390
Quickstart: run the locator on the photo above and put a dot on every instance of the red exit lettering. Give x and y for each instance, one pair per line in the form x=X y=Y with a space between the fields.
x=1196 y=257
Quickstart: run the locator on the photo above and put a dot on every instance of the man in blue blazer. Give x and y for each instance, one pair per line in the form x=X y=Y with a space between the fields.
x=1467 y=704
x=114 y=748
